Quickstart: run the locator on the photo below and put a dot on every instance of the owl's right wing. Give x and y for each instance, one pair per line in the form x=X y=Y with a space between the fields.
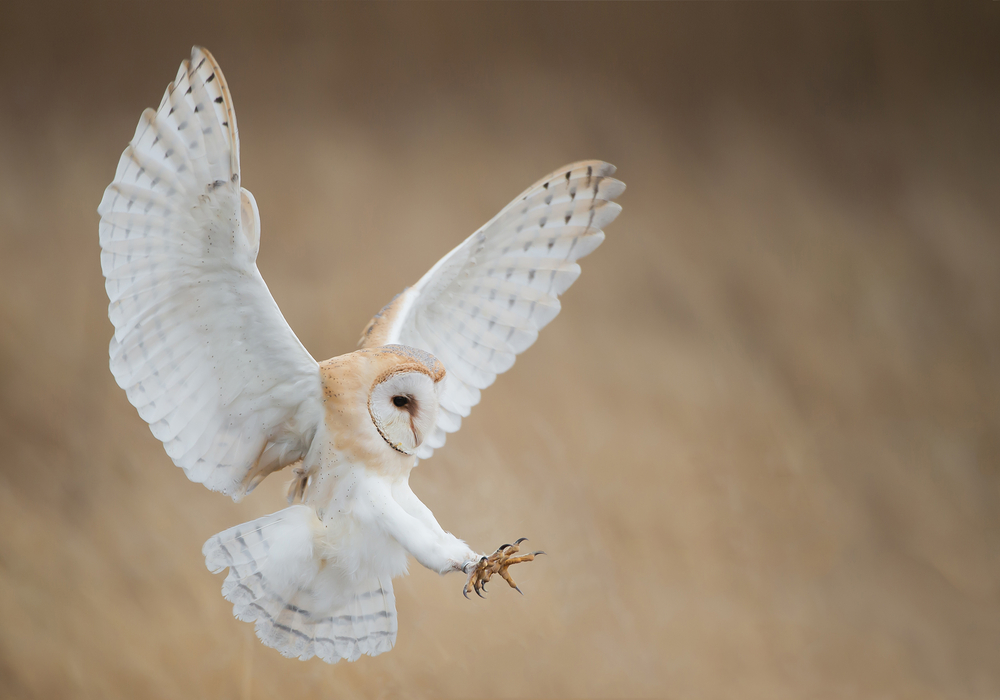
x=485 y=301
x=200 y=346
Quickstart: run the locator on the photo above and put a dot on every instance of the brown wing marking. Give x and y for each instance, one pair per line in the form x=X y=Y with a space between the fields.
x=376 y=333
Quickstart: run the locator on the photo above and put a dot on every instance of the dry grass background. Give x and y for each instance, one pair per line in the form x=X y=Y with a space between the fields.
x=761 y=444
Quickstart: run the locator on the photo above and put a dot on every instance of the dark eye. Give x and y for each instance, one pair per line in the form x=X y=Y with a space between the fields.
x=400 y=401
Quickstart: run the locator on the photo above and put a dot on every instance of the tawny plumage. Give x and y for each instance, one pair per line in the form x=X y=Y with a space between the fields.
x=206 y=357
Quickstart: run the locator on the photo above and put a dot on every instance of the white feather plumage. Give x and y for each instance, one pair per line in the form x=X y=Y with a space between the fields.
x=200 y=346
x=206 y=357
x=484 y=303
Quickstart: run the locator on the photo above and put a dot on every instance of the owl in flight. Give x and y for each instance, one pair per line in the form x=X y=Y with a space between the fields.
x=206 y=357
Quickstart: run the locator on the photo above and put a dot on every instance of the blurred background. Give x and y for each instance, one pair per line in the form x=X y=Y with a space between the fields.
x=761 y=444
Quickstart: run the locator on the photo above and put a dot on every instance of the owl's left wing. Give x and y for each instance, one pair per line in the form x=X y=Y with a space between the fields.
x=485 y=301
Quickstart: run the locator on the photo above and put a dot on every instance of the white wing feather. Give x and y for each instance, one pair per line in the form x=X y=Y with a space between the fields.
x=200 y=346
x=484 y=303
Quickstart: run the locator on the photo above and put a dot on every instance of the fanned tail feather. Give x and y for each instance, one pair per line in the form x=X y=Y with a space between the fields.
x=301 y=604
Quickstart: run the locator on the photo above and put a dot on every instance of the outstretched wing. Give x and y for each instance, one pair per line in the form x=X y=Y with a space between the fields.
x=484 y=302
x=200 y=346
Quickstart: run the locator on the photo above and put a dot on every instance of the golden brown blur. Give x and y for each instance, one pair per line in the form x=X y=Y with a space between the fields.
x=761 y=444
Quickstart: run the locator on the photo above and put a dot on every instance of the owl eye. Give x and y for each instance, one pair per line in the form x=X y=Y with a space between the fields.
x=404 y=407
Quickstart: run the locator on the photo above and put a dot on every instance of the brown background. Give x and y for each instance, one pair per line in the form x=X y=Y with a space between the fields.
x=761 y=444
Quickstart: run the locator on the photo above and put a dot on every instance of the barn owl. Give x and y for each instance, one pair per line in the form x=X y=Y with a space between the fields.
x=204 y=354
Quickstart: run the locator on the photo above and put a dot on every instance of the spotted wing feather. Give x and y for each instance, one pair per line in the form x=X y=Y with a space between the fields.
x=484 y=303
x=199 y=345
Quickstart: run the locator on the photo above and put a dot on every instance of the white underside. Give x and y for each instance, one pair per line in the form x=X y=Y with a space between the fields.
x=321 y=583
x=369 y=524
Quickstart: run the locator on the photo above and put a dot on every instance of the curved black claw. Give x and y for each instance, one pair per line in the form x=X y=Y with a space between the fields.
x=496 y=563
x=465 y=593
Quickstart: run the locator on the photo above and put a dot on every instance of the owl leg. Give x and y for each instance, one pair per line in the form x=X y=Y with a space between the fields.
x=497 y=563
x=300 y=481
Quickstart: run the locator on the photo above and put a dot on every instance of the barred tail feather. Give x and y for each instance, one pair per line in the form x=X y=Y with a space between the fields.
x=302 y=605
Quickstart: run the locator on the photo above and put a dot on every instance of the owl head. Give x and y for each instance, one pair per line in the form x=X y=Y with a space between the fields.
x=403 y=401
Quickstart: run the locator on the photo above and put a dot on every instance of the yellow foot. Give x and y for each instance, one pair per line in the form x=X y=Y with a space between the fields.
x=496 y=563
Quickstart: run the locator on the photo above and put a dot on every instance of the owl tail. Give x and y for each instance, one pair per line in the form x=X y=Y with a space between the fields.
x=303 y=606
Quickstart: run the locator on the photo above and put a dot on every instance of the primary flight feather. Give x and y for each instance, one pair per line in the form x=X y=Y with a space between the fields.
x=206 y=357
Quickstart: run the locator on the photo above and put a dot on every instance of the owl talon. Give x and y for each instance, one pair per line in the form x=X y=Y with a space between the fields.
x=497 y=563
